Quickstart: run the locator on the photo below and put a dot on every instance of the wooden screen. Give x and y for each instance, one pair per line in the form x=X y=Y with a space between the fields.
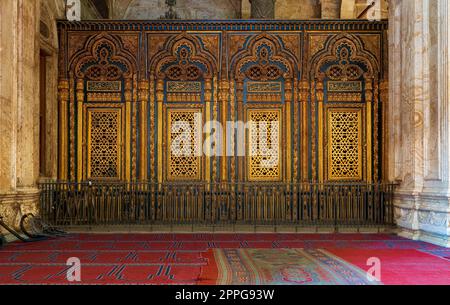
x=131 y=92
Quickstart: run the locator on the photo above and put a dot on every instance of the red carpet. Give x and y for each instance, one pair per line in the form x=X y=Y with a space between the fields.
x=401 y=267
x=192 y=259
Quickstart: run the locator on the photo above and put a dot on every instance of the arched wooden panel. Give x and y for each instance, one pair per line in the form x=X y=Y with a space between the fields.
x=102 y=113
x=184 y=74
x=133 y=83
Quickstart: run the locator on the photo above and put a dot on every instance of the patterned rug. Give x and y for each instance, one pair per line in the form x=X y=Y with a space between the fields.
x=198 y=259
x=285 y=267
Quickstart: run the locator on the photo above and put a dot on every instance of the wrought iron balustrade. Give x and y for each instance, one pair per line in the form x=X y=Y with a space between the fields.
x=303 y=204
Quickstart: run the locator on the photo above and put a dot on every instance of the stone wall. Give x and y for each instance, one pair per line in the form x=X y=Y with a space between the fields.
x=211 y=9
x=297 y=9
x=88 y=10
x=188 y=9
x=331 y=9
x=28 y=28
x=418 y=118
x=348 y=9
x=378 y=11
x=323 y=9
x=231 y=9
x=290 y=9
x=19 y=96
x=50 y=10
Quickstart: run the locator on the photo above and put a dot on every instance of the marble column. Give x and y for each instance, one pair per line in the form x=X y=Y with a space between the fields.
x=331 y=9
x=19 y=120
x=50 y=10
x=419 y=118
x=262 y=9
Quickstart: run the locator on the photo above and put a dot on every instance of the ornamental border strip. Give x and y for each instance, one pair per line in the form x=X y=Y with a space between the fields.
x=224 y=25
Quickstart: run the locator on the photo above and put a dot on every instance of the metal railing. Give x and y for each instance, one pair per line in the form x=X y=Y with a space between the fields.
x=303 y=204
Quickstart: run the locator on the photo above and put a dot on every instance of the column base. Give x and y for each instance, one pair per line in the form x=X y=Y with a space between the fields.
x=15 y=204
x=424 y=217
x=432 y=238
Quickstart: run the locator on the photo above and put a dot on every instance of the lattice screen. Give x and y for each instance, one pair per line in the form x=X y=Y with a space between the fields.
x=104 y=144
x=264 y=145
x=344 y=147
x=184 y=143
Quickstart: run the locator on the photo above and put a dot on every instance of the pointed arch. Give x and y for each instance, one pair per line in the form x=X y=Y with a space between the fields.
x=183 y=58
x=263 y=58
x=103 y=58
x=344 y=57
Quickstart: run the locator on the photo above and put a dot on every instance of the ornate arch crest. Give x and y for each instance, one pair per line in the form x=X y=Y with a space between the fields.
x=103 y=58
x=263 y=59
x=183 y=58
x=344 y=58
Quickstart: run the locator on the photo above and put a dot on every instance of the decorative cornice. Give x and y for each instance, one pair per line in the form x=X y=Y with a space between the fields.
x=227 y=25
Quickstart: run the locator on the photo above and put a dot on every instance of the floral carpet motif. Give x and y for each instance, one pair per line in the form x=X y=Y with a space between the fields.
x=284 y=267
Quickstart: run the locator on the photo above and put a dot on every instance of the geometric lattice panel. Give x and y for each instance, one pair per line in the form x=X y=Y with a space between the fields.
x=104 y=144
x=264 y=160
x=184 y=156
x=344 y=146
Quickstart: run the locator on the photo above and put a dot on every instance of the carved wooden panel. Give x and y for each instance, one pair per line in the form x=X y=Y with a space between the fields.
x=104 y=144
x=344 y=144
x=319 y=80
x=264 y=145
x=183 y=149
